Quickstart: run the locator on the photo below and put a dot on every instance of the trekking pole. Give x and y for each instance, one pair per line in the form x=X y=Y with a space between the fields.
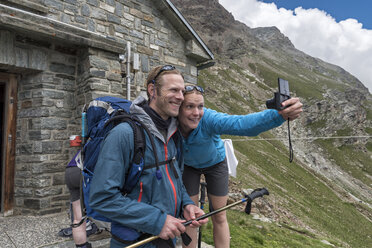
x=202 y=201
x=248 y=198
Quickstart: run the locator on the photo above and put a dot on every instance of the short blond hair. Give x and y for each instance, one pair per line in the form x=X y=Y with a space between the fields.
x=157 y=81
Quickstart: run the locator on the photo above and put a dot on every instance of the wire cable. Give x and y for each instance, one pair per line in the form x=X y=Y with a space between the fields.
x=306 y=138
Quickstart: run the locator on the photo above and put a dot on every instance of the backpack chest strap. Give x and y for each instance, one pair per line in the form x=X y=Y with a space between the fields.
x=171 y=162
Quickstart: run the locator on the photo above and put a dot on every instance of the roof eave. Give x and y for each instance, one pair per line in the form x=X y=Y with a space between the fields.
x=181 y=24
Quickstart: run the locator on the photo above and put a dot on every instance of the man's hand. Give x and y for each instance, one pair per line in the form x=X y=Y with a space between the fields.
x=191 y=212
x=293 y=111
x=172 y=227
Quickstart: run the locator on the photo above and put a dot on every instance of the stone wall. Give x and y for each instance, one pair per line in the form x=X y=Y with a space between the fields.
x=65 y=67
x=140 y=22
x=47 y=116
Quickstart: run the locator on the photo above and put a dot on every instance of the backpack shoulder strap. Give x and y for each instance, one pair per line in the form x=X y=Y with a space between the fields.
x=137 y=163
x=138 y=132
x=139 y=142
x=177 y=139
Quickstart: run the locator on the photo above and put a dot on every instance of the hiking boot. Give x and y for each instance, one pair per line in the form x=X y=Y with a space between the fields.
x=65 y=232
x=92 y=229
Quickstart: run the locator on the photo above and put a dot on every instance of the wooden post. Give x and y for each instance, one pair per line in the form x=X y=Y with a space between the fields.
x=9 y=141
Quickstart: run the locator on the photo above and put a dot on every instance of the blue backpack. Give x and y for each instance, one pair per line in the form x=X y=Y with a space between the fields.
x=101 y=116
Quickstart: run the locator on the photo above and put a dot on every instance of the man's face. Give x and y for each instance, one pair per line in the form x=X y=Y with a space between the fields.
x=167 y=102
x=191 y=111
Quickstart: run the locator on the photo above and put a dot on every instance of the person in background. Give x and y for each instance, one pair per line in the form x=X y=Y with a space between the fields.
x=204 y=151
x=72 y=180
x=158 y=200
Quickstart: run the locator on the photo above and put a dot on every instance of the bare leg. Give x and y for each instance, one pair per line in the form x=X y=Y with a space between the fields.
x=78 y=233
x=192 y=232
x=221 y=232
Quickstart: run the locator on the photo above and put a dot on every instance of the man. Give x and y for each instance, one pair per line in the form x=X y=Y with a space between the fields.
x=159 y=198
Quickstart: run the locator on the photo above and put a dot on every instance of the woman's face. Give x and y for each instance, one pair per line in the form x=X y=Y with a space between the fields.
x=191 y=111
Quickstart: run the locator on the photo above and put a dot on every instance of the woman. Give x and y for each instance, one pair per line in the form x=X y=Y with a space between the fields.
x=204 y=151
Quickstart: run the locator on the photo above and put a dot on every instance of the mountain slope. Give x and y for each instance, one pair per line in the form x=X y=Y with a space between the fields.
x=327 y=191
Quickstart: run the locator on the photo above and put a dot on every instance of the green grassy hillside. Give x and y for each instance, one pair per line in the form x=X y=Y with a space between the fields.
x=306 y=209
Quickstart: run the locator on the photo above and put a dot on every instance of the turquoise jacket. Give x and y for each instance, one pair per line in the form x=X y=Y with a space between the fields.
x=204 y=147
x=145 y=208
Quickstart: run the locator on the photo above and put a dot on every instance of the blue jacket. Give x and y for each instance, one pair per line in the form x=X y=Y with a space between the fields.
x=204 y=147
x=145 y=208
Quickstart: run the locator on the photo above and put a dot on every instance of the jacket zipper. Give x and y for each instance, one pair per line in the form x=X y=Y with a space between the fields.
x=170 y=180
x=140 y=193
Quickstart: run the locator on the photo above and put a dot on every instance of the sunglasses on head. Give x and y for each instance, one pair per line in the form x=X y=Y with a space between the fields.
x=164 y=68
x=190 y=88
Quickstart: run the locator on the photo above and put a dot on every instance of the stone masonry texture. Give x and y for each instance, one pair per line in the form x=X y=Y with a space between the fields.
x=60 y=72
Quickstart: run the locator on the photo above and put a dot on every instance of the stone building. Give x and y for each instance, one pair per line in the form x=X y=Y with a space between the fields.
x=57 y=55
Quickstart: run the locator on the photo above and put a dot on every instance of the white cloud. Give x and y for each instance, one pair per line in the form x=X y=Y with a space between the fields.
x=314 y=32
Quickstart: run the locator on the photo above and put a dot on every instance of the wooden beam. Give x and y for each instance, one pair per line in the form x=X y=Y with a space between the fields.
x=10 y=143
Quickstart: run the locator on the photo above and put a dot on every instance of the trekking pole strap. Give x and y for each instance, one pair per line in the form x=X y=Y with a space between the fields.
x=79 y=224
x=290 y=144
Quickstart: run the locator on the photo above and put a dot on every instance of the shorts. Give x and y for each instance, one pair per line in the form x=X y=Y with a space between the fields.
x=216 y=177
x=72 y=179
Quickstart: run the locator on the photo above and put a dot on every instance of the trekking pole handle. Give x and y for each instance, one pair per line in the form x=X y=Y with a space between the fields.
x=257 y=193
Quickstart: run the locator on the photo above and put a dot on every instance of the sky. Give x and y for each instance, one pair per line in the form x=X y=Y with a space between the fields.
x=336 y=31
